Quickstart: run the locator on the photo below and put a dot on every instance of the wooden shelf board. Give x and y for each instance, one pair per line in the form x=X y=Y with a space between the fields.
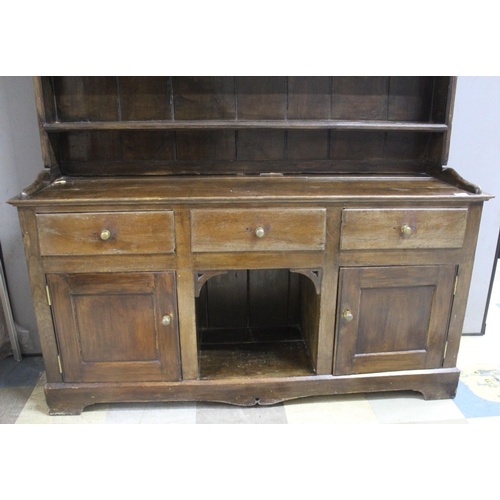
x=382 y=125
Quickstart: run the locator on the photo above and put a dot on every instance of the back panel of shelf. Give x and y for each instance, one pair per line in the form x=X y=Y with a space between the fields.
x=212 y=125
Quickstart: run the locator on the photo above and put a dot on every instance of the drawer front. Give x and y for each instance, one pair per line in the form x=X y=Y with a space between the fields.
x=106 y=233
x=403 y=228
x=258 y=230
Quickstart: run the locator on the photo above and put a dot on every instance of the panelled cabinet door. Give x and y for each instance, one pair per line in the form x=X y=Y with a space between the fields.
x=116 y=327
x=393 y=318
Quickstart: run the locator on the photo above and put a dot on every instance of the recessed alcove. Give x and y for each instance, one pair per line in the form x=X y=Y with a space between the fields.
x=259 y=322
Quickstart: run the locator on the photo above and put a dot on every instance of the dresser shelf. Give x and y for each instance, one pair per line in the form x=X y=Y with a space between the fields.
x=379 y=125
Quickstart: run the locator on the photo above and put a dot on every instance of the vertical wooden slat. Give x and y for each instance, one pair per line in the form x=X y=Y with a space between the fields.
x=307 y=145
x=37 y=281
x=86 y=98
x=206 y=145
x=45 y=112
x=186 y=296
x=228 y=299
x=309 y=316
x=359 y=97
x=357 y=145
x=410 y=98
x=309 y=97
x=268 y=297
x=406 y=146
x=464 y=279
x=204 y=98
x=325 y=350
x=261 y=97
x=145 y=97
x=141 y=145
x=86 y=146
x=261 y=145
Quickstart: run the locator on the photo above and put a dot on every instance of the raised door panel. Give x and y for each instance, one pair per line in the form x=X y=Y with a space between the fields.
x=110 y=327
x=393 y=318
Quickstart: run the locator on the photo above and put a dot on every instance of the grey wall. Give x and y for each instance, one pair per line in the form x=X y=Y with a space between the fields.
x=20 y=161
x=474 y=153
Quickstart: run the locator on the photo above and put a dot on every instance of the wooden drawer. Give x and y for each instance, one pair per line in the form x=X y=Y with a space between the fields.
x=403 y=228
x=106 y=233
x=239 y=230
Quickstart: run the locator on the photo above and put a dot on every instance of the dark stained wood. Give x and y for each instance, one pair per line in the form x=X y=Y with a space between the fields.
x=70 y=399
x=310 y=317
x=305 y=189
x=227 y=299
x=360 y=145
x=254 y=360
x=152 y=145
x=144 y=98
x=268 y=297
x=43 y=312
x=308 y=144
x=377 y=229
x=261 y=145
x=245 y=167
x=204 y=98
x=86 y=98
x=360 y=98
x=214 y=124
x=399 y=314
x=206 y=145
x=109 y=326
x=86 y=146
x=237 y=230
x=464 y=278
x=44 y=101
x=309 y=98
x=130 y=233
x=261 y=97
x=410 y=98
x=183 y=171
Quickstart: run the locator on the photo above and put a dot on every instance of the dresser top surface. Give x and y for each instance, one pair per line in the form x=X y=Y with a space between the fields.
x=189 y=190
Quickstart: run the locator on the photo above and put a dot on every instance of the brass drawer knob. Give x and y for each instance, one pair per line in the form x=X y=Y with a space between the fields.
x=259 y=232
x=347 y=315
x=166 y=320
x=406 y=229
x=105 y=234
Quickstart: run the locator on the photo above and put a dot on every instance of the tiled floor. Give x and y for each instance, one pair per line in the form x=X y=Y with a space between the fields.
x=22 y=399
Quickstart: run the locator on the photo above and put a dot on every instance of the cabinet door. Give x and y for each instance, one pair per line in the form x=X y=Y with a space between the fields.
x=116 y=327
x=393 y=318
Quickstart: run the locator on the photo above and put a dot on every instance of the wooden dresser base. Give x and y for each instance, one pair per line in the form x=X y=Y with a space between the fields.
x=71 y=399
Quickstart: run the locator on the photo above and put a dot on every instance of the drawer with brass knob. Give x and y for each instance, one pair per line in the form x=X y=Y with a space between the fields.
x=239 y=230
x=106 y=233
x=373 y=229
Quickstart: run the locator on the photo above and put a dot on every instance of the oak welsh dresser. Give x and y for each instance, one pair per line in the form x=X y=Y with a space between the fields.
x=247 y=240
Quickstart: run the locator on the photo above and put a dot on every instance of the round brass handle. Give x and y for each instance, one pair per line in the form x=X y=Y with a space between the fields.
x=406 y=229
x=105 y=234
x=166 y=320
x=347 y=315
x=259 y=232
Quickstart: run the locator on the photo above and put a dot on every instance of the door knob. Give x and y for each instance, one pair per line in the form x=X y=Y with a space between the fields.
x=105 y=234
x=347 y=315
x=259 y=232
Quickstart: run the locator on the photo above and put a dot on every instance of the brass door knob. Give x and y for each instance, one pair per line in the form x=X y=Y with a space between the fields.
x=259 y=232
x=406 y=229
x=347 y=315
x=166 y=320
x=105 y=234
